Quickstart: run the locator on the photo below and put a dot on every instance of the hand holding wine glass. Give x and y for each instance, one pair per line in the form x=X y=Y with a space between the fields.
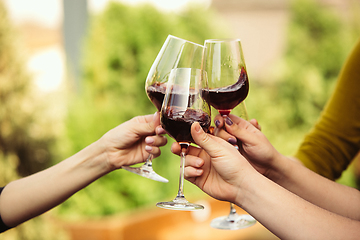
x=253 y=145
x=182 y=106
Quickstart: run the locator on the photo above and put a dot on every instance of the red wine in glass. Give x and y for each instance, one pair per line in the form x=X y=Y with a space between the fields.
x=228 y=87
x=175 y=53
x=156 y=93
x=183 y=105
x=224 y=99
x=178 y=122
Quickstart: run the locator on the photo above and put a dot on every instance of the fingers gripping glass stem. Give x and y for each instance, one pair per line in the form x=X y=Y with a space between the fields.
x=180 y=202
x=182 y=106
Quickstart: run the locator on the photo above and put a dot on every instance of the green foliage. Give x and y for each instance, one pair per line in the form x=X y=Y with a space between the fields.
x=290 y=101
x=121 y=45
x=24 y=139
x=315 y=38
x=314 y=56
x=20 y=133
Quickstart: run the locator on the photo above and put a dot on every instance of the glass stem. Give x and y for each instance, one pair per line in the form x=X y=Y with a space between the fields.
x=184 y=147
x=148 y=161
x=232 y=209
x=233 y=216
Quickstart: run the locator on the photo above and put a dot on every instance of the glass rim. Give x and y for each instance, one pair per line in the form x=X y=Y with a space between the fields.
x=216 y=40
x=197 y=44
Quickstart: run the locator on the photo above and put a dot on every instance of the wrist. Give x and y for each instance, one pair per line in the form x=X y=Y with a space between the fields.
x=94 y=158
x=279 y=168
x=246 y=187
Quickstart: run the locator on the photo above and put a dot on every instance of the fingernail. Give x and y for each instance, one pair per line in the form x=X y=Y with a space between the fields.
x=161 y=131
x=154 y=117
x=149 y=140
x=228 y=121
x=197 y=128
x=199 y=171
x=198 y=163
x=148 y=148
x=217 y=123
x=232 y=141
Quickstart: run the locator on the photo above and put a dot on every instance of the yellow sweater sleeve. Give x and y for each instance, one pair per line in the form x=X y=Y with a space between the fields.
x=335 y=139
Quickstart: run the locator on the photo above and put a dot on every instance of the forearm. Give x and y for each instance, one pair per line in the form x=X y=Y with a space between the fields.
x=31 y=196
x=316 y=189
x=289 y=216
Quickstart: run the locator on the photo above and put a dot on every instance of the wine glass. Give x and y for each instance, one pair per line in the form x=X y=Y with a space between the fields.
x=175 y=52
x=182 y=106
x=228 y=87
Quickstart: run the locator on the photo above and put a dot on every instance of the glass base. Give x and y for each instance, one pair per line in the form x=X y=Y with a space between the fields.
x=180 y=203
x=147 y=172
x=233 y=222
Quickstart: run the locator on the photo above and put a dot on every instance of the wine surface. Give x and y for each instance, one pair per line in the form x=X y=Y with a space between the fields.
x=177 y=122
x=156 y=93
x=224 y=99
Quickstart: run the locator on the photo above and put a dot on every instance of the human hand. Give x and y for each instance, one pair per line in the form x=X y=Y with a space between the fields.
x=132 y=141
x=252 y=143
x=216 y=167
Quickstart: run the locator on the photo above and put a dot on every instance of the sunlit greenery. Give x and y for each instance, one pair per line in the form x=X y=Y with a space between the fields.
x=121 y=44
x=25 y=135
x=288 y=103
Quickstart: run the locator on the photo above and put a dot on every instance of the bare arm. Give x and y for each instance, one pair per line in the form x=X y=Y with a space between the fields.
x=327 y=194
x=289 y=172
x=28 y=197
x=124 y=145
x=226 y=175
x=290 y=217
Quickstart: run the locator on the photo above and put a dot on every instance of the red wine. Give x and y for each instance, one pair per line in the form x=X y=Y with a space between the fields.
x=177 y=122
x=156 y=93
x=226 y=98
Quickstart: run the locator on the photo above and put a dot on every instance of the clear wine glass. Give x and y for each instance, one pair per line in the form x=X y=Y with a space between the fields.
x=228 y=87
x=175 y=52
x=182 y=106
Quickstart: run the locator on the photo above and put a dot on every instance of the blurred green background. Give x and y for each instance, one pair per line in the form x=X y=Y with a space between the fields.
x=38 y=130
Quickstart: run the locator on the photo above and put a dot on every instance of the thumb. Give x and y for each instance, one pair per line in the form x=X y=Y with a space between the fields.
x=242 y=130
x=147 y=125
x=211 y=144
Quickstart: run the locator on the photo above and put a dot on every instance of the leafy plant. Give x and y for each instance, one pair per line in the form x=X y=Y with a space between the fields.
x=290 y=102
x=25 y=139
